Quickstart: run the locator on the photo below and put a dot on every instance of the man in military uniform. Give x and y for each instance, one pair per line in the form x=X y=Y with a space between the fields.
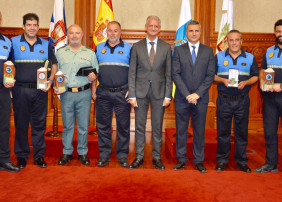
x=5 y=109
x=29 y=53
x=272 y=101
x=76 y=101
x=233 y=100
x=113 y=57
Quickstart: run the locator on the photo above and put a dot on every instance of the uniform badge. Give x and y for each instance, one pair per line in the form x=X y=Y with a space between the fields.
x=244 y=64
x=22 y=48
x=120 y=52
x=225 y=63
x=271 y=55
x=42 y=51
x=5 y=47
x=104 y=51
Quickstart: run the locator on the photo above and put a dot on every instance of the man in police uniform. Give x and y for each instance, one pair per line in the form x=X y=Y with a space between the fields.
x=76 y=101
x=29 y=53
x=272 y=101
x=5 y=109
x=234 y=101
x=113 y=57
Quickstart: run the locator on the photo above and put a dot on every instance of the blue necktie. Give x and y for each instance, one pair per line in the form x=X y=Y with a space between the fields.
x=194 y=55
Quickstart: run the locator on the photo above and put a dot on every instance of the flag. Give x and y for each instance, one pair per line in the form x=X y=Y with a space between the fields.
x=105 y=16
x=227 y=23
x=57 y=30
x=180 y=36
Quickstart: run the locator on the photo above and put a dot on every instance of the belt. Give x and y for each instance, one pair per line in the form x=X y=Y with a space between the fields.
x=78 y=89
x=26 y=85
x=124 y=87
x=232 y=97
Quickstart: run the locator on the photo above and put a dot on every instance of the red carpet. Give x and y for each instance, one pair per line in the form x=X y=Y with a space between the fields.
x=66 y=183
x=210 y=144
x=54 y=146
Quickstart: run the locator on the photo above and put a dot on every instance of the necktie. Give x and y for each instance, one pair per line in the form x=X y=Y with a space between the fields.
x=152 y=53
x=194 y=55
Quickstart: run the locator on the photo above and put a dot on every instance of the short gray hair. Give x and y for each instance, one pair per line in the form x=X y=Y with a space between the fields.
x=235 y=31
x=193 y=22
x=153 y=17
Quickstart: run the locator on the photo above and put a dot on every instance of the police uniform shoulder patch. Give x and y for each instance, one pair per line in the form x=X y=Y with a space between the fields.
x=120 y=52
x=5 y=47
x=244 y=64
x=225 y=63
x=22 y=48
x=42 y=51
x=104 y=50
x=271 y=55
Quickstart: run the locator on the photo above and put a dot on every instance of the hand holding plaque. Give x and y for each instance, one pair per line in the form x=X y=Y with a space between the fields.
x=268 y=79
x=9 y=73
x=42 y=76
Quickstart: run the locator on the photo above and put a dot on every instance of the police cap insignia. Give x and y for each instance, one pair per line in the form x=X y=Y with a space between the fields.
x=225 y=63
x=271 y=55
x=5 y=47
x=42 y=51
x=120 y=52
x=244 y=64
x=22 y=48
x=104 y=51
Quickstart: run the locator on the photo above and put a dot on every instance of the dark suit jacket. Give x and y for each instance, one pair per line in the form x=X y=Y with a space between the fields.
x=189 y=78
x=141 y=71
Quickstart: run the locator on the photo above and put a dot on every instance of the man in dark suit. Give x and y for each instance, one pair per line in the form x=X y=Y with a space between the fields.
x=149 y=81
x=193 y=70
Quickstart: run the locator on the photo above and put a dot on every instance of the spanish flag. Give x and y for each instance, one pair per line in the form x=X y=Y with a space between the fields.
x=105 y=16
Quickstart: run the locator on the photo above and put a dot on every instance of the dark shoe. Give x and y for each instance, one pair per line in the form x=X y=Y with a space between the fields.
x=84 y=159
x=123 y=162
x=244 y=168
x=21 y=163
x=158 y=164
x=64 y=159
x=179 y=165
x=136 y=163
x=220 y=166
x=40 y=163
x=266 y=168
x=201 y=168
x=102 y=162
x=8 y=166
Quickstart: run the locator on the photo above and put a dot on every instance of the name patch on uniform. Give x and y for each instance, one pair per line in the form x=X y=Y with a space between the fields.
x=225 y=63
x=42 y=51
x=244 y=64
x=82 y=58
x=120 y=52
x=271 y=55
x=5 y=47
x=22 y=48
x=104 y=51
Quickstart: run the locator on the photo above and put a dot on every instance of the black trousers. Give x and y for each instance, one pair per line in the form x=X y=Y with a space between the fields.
x=272 y=110
x=198 y=112
x=5 y=109
x=30 y=106
x=106 y=102
x=229 y=107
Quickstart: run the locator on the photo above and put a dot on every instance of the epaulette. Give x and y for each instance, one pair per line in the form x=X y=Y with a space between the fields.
x=62 y=47
x=89 y=48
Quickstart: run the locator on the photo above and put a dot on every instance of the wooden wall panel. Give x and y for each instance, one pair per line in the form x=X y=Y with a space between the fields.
x=255 y=43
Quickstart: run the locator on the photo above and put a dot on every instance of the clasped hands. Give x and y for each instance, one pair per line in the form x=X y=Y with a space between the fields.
x=192 y=98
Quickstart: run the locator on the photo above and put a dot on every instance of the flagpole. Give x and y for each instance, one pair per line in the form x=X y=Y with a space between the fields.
x=57 y=39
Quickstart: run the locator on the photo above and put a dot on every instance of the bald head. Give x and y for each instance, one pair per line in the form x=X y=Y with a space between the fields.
x=75 y=35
